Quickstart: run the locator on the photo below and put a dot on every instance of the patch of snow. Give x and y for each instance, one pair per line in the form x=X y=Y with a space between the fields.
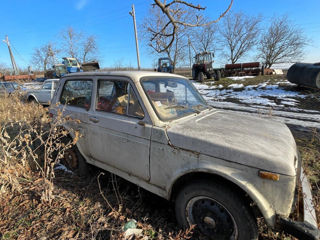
x=236 y=86
x=252 y=94
x=278 y=71
x=62 y=168
x=262 y=85
x=288 y=103
x=240 y=78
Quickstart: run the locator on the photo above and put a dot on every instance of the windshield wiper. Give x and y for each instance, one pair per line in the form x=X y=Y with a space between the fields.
x=198 y=106
x=183 y=107
x=176 y=107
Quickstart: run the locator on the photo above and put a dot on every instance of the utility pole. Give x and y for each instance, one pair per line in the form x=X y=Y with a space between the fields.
x=133 y=14
x=189 y=43
x=13 y=62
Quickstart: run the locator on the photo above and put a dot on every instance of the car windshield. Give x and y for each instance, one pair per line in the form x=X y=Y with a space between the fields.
x=173 y=98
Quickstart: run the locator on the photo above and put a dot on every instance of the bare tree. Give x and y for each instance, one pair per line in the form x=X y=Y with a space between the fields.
x=71 y=41
x=239 y=33
x=281 y=43
x=44 y=56
x=89 y=49
x=4 y=69
x=172 y=9
x=78 y=45
x=204 y=38
x=176 y=51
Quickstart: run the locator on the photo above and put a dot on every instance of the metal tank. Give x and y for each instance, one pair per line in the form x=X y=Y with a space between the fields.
x=305 y=74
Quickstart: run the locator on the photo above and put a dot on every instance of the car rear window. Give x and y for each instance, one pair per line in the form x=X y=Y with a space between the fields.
x=77 y=93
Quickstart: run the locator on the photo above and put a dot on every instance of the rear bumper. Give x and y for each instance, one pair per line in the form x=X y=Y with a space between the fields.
x=308 y=227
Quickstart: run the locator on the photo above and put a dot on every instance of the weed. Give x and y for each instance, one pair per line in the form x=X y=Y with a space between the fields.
x=29 y=140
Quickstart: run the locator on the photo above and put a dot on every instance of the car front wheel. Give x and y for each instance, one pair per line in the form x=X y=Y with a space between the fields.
x=217 y=212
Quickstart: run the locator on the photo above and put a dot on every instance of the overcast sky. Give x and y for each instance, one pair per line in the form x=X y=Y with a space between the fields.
x=32 y=23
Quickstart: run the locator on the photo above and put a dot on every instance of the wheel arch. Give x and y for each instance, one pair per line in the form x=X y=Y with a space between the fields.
x=31 y=96
x=71 y=136
x=258 y=204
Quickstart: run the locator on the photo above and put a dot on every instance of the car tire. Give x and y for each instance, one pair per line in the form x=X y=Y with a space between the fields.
x=200 y=77
x=217 y=212
x=32 y=100
x=74 y=161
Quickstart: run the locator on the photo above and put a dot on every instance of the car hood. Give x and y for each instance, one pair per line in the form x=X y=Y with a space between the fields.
x=239 y=138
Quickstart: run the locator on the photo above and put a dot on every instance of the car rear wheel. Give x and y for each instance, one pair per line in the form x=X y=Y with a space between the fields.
x=74 y=161
x=217 y=212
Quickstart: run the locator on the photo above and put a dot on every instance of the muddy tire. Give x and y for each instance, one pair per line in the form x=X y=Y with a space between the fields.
x=200 y=77
x=218 y=212
x=74 y=161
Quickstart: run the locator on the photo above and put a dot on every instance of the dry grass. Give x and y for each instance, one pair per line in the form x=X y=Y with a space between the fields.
x=29 y=141
x=309 y=147
x=225 y=82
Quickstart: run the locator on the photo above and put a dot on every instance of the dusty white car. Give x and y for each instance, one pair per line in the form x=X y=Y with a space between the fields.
x=221 y=169
x=43 y=94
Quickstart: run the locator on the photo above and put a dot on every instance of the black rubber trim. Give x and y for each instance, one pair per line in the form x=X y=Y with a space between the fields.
x=300 y=230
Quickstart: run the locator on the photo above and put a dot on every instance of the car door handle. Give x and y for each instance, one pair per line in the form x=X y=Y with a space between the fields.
x=94 y=119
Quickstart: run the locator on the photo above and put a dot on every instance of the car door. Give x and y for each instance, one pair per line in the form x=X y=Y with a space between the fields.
x=118 y=136
x=45 y=93
x=75 y=101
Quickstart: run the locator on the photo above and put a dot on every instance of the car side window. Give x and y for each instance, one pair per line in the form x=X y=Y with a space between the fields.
x=134 y=107
x=77 y=93
x=117 y=97
x=47 y=86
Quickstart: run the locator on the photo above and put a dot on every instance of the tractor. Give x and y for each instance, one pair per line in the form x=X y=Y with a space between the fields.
x=70 y=65
x=203 y=67
x=165 y=65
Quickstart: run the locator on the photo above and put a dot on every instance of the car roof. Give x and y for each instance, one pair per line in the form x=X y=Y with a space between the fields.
x=54 y=79
x=134 y=75
x=5 y=82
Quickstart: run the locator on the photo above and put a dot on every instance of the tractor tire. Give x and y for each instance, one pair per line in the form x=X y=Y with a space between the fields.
x=194 y=74
x=217 y=76
x=200 y=77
